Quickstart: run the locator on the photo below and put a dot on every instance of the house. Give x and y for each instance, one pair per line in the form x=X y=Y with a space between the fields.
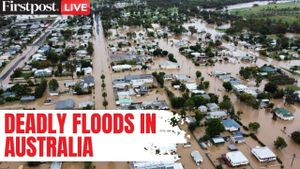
x=231 y=125
x=140 y=80
x=88 y=81
x=212 y=107
x=189 y=119
x=182 y=77
x=238 y=137
x=8 y=94
x=124 y=102
x=239 y=87
x=81 y=53
x=168 y=65
x=263 y=154
x=27 y=98
x=43 y=73
x=268 y=69
x=236 y=158
x=218 y=140
x=87 y=70
x=38 y=57
x=191 y=86
x=155 y=105
x=202 y=109
x=197 y=157
x=155 y=164
x=284 y=114
x=216 y=115
x=119 y=68
x=68 y=104
x=232 y=147
x=85 y=104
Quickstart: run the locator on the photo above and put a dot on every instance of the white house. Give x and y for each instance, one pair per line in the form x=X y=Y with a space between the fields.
x=236 y=158
x=118 y=68
x=42 y=72
x=169 y=65
x=216 y=115
x=263 y=154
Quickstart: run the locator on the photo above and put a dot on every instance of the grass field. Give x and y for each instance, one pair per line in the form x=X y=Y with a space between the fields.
x=287 y=12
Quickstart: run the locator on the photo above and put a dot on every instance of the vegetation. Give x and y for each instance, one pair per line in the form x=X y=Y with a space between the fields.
x=40 y=89
x=254 y=126
x=53 y=84
x=227 y=86
x=214 y=127
x=159 y=78
x=296 y=137
x=280 y=143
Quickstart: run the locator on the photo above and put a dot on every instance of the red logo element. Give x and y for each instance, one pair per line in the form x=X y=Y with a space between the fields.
x=78 y=7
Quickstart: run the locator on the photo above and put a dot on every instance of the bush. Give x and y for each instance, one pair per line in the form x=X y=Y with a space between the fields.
x=296 y=136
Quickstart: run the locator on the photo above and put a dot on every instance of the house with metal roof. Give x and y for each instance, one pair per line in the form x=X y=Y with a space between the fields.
x=238 y=137
x=212 y=106
x=27 y=98
x=68 y=104
x=263 y=154
x=231 y=125
x=236 y=158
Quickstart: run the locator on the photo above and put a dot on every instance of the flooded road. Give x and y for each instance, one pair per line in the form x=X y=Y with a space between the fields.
x=101 y=65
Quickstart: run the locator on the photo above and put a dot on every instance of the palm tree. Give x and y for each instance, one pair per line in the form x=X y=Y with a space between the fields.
x=105 y=104
x=102 y=76
x=103 y=86
x=104 y=94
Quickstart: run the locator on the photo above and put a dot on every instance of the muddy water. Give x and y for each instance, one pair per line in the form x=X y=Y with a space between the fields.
x=250 y=4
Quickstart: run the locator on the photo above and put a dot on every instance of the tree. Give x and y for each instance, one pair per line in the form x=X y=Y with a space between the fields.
x=53 y=84
x=103 y=86
x=104 y=94
x=177 y=102
x=271 y=87
x=214 y=127
x=254 y=126
x=199 y=116
x=90 y=48
x=88 y=165
x=280 y=143
x=174 y=121
x=226 y=104
x=206 y=84
x=105 y=104
x=40 y=89
x=296 y=137
x=227 y=86
x=198 y=74
x=102 y=77
x=290 y=97
x=192 y=29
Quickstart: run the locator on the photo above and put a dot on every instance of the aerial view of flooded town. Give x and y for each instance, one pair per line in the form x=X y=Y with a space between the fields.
x=230 y=69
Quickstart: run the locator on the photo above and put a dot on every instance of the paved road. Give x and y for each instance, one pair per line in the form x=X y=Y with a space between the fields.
x=101 y=65
x=20 y=60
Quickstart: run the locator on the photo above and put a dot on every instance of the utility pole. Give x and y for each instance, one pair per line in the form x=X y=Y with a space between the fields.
x=294 y=156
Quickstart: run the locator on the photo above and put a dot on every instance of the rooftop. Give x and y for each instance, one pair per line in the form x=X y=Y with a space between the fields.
x=263 y=152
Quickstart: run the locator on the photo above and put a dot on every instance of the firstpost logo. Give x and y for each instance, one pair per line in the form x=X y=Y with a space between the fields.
x=44 y=7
